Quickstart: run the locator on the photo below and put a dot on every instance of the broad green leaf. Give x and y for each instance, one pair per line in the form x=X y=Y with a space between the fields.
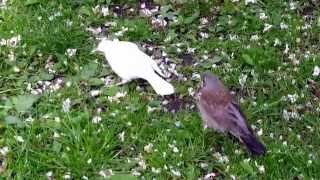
x=247 y=167
x=159 y=1
x=216 y=59
x=164 y=9
x=123 y=177
x=110 y=91
x=171 y=35
x=60 y=66
x=89 y=70
x=46 y=76
x=85 y=10
x=8 y=105
x=190 y=19
x=33 y=50
x=104 y=72
x=56 y=147
x=13 y=120
x=155 y=103
x=23 y=102
x=31 y=2
x=95 y=82
x=248 y=59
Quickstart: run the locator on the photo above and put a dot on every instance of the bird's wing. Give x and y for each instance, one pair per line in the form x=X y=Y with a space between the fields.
x=128 y=44
x=236 y=118
x=143 y=57
x=156 y=68
x=243 y=131
x=212 y=109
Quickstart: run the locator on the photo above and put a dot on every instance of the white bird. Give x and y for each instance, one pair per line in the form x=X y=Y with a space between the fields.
x=129 y=62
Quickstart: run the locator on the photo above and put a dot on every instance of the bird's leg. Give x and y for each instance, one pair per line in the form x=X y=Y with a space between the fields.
x=123 y=81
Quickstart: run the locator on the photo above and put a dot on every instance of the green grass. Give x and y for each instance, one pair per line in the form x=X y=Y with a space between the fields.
x=80 y=147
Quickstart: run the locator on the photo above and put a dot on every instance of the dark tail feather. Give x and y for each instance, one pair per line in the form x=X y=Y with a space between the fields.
x=253 y=145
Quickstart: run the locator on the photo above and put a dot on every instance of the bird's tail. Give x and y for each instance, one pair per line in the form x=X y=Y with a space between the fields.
x=156 y=68
x=161 y=86
x=253 y=145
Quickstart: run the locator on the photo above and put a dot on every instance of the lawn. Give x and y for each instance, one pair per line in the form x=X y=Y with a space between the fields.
x=63 y=117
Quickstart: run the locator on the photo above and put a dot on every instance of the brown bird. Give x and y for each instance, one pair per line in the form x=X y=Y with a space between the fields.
x=220 y=111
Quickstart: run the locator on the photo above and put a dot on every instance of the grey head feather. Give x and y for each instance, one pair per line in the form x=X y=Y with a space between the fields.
x=212 y=82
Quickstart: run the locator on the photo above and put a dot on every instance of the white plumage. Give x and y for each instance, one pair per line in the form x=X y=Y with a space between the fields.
x=129 y=62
